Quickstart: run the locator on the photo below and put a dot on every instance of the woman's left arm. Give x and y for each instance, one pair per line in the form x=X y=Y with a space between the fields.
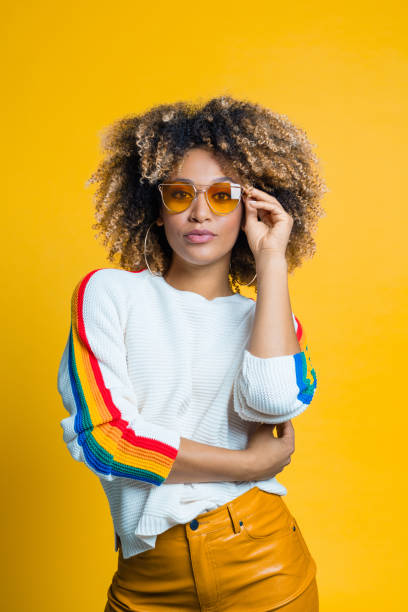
x=276 y=380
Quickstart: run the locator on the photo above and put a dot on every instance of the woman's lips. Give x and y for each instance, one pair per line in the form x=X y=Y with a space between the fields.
x=196 y=238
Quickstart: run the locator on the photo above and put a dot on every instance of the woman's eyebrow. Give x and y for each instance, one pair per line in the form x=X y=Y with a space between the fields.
x=219 y=178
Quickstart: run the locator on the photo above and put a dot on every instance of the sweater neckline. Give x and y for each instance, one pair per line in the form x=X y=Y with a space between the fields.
x=184 y=292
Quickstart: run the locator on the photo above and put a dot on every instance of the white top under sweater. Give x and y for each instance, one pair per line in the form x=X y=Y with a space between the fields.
x=146 y=363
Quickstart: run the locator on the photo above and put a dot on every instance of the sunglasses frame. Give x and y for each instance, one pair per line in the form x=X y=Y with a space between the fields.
x=197 y=191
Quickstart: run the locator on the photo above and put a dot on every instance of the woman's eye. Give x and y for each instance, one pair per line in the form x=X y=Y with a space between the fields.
x=179 y=195
x=222 y=195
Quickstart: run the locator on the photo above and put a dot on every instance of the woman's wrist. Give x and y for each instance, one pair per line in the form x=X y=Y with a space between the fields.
x=248 y=465
x=268 y=265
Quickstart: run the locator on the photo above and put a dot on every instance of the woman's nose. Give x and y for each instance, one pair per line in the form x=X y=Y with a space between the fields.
x=200 y=199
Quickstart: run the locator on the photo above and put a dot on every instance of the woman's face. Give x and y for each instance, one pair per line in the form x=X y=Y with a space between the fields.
x=201 y=167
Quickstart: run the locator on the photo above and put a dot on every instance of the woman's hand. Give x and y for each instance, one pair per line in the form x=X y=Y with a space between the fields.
x=267 y=455
x=270 y=236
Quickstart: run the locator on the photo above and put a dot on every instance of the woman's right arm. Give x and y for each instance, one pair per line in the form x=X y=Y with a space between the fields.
x=105 y=429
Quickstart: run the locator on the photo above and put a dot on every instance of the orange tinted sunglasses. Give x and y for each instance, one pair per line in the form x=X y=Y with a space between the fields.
x=222 y=196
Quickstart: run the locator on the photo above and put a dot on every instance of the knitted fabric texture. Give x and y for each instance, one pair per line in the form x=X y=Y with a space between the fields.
x=145 y=364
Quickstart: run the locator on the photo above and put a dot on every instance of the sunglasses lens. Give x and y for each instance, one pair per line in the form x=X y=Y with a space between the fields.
x=178 y=196
x=223 y=197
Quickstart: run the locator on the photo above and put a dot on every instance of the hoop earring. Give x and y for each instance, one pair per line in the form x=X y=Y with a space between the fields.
x=246 y=284
x=144 y=251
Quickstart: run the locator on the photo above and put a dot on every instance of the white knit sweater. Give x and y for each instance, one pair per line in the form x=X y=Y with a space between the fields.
x=145 y=364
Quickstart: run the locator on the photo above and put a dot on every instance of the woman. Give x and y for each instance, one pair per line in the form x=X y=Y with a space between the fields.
x=173 y=381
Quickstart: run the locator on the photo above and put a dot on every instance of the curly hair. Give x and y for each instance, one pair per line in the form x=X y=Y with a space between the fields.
x=263 y=147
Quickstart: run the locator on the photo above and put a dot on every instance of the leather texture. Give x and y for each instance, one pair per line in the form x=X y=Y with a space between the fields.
x=247 y=555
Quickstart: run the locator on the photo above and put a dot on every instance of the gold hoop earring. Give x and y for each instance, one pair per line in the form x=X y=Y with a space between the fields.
x=246 y=284
x=144 y=251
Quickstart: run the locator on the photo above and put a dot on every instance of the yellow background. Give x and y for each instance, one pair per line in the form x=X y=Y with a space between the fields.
x=340 y=72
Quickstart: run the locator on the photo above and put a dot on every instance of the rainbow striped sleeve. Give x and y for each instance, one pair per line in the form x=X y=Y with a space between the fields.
x=105 y=429
x=275 y=389
x=305 y=374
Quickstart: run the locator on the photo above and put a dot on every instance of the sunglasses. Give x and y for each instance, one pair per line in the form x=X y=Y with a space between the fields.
x=222 y=197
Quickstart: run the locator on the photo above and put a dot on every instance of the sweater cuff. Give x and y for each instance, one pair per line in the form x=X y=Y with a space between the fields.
x=272 y=385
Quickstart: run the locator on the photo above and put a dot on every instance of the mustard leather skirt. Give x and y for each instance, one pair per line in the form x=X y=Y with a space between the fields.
x=247 y=555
